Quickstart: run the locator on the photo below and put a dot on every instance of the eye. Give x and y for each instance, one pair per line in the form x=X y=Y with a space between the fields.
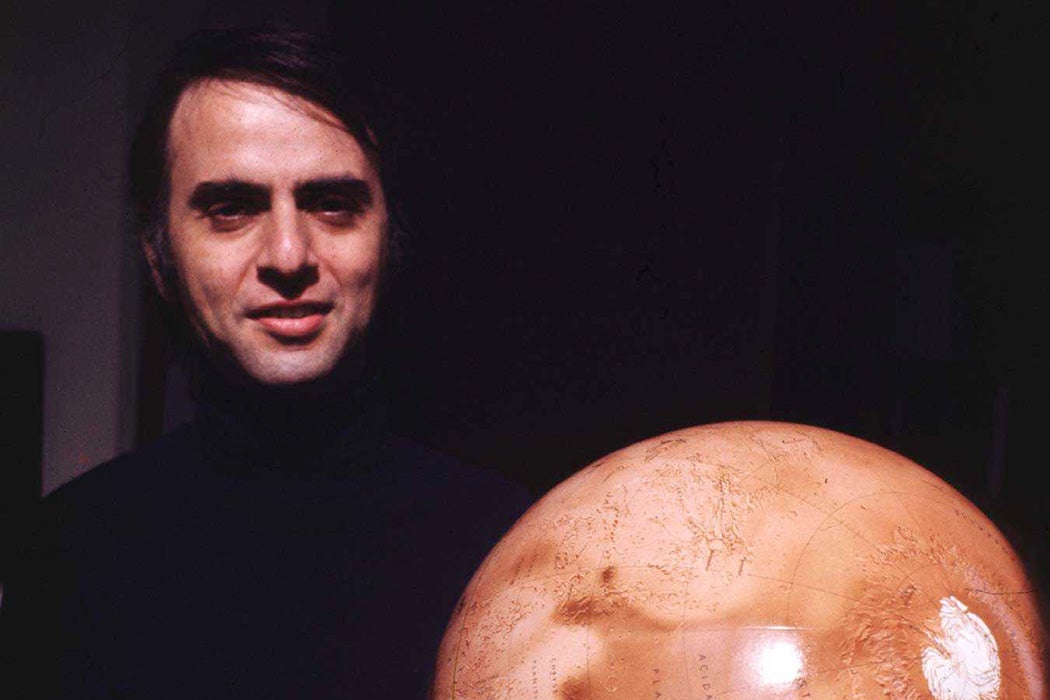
x=336 y=201
x=230 y=215
x=335 y=209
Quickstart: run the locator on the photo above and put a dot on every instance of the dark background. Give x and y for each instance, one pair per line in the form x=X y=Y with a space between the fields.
x=634 y=217
x=628 y=218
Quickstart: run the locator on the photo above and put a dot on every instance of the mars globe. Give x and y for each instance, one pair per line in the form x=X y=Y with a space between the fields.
x=748 y=560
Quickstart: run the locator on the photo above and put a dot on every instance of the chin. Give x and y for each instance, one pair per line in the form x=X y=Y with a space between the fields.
x=290 y=371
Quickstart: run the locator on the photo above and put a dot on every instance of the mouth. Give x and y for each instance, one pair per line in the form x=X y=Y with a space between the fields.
x=291 y=320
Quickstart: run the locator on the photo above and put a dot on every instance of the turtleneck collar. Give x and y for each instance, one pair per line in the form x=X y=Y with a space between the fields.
x=258 y=431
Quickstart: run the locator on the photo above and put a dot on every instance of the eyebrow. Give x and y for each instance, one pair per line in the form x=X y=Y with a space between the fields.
x=351 y=188
x=205 y=194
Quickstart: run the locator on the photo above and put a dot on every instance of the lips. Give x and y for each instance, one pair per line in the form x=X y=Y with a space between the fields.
x=291 y=320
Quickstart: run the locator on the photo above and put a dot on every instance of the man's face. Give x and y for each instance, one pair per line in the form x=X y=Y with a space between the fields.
x=278 y=229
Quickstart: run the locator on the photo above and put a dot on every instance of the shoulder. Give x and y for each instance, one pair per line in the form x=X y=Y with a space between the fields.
x=133 y=469
x=439 y=478
x=128 y=484
x=418 y=461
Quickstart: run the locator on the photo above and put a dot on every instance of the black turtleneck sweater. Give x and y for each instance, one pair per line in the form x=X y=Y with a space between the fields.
x=264 y=551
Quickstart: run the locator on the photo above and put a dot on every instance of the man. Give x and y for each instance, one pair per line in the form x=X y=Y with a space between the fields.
x=283 y=544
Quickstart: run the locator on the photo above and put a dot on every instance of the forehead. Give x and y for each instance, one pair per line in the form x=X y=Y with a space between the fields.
x=231 y=129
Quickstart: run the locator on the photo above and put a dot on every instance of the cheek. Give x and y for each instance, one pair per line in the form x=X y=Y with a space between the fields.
x=360 y=270
x=209 y=283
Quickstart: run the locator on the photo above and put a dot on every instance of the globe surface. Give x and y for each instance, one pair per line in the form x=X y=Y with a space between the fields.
x=748 y=560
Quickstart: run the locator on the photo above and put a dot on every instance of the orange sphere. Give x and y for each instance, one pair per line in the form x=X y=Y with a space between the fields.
x=748 y=560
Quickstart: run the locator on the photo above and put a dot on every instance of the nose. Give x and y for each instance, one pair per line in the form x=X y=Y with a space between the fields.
x=287 y=247
x=286 y=260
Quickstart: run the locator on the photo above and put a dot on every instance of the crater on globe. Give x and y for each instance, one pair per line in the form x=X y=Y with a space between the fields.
x=748 y=560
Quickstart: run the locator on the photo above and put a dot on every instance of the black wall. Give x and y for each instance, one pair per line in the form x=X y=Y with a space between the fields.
x=632 y=217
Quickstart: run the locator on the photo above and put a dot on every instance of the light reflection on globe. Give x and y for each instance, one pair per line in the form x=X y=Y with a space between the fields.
x=748 y=560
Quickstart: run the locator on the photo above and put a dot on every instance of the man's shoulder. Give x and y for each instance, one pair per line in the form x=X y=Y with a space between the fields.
x=129 y=477
x=441 y=475
x=431 y=464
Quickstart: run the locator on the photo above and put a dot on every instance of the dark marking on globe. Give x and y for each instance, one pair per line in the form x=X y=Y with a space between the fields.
x=533 y=558
x=576 y=689
x=580 y=611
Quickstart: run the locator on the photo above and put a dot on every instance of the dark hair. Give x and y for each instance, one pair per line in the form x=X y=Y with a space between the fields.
x=300 y=63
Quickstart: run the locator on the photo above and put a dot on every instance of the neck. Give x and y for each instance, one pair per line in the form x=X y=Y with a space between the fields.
x=301 y=429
